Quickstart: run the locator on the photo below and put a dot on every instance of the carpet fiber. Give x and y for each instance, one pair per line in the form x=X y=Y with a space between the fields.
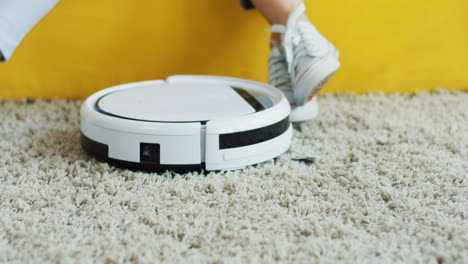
x=389 y=184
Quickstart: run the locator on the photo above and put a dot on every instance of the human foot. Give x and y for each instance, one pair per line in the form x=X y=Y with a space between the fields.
x=311 y=59
x=279 y=77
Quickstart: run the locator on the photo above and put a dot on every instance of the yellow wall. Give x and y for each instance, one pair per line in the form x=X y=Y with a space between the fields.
x=84 y=46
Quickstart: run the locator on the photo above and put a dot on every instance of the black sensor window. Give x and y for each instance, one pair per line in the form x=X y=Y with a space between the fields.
x=149 y=152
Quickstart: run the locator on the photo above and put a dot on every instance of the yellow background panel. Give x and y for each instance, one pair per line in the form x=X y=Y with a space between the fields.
x=84 y=46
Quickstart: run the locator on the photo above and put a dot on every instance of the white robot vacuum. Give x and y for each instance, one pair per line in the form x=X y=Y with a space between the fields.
x=186 y=123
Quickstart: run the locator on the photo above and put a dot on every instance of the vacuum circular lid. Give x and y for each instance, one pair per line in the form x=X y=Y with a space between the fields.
x=175 y=102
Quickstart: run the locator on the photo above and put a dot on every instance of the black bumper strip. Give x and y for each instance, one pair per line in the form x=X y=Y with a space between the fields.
x=250 y=137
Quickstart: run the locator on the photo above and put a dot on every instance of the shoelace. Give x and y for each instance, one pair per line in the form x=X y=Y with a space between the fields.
x=278 y=73
x=293 y=33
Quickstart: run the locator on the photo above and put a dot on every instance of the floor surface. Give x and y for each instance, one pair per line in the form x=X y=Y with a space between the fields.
x=389 y=185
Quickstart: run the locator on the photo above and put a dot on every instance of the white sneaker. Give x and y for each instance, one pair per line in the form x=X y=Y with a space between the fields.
x=311 y=59
x=278 y=76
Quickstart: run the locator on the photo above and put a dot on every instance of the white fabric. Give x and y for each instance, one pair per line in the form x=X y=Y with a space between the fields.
x=17 y=17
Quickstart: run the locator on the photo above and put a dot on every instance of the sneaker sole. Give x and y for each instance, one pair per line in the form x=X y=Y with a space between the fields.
x=309 y=111
x=319 y=76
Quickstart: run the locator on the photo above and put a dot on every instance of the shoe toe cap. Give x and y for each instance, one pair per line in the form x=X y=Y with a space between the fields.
x=308 y=111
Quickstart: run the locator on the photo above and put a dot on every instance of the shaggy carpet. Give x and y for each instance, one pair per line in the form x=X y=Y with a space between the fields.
x=389 y=184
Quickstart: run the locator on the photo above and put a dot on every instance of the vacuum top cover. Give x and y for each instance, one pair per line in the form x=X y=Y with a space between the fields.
x=175 y=102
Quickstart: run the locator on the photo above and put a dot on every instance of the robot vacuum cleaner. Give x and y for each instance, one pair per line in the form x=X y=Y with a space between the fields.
x=186 y=123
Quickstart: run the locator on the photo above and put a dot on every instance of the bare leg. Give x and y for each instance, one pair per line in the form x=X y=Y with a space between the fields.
x=276 y=12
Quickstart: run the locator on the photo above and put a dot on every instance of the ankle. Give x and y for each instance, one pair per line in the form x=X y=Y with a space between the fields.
x=285 y=11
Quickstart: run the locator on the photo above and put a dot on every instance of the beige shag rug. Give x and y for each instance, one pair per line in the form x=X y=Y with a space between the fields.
x=389 y=185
